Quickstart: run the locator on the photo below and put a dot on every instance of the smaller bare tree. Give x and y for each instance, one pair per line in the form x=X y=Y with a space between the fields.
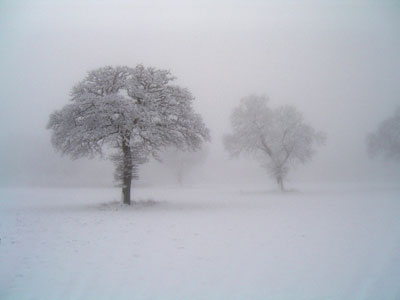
x=180 y=163
x=279 y=138
x=386 y=140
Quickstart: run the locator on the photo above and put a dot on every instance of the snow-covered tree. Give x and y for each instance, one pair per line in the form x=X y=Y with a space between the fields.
x=134 y=112
x=180 y=163
x=279 y=138
x=385 y=140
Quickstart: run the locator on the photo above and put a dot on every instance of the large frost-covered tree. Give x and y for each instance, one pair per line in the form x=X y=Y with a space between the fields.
x=279 y=138
x=386 y=139
x=134 y=112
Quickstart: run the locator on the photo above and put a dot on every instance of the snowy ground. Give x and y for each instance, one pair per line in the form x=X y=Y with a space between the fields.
x=242 y=242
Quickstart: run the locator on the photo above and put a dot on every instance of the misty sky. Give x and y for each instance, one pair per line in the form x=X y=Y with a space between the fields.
x=337 y=61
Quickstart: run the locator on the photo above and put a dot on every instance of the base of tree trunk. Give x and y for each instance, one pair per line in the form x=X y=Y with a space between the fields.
x=126 y=196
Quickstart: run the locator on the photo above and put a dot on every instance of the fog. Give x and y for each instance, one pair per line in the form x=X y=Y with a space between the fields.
x=337 y=62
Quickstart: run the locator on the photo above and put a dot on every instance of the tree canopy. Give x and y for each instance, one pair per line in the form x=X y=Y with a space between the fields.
x=385 y=141
x=279 y=138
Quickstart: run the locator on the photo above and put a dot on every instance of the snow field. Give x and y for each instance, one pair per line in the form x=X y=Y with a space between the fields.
x=241 y=242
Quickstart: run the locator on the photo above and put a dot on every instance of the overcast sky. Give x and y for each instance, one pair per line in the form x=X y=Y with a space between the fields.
x=337 y=61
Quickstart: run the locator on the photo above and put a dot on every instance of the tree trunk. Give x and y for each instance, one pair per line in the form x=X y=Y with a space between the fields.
x=127 y=172
x=280 y=183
